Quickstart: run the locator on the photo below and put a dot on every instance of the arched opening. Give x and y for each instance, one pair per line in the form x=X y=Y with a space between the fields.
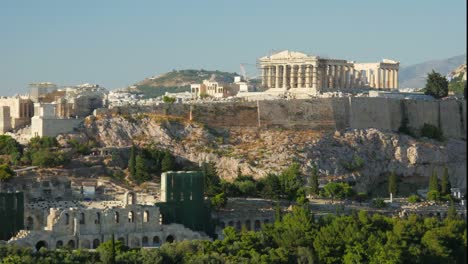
x=122 y=239
x=82 y=218
x=116 y=217
x=161 y=219
x=29 y=223
x=130 y=198
x=67 y=219
x=59 y=244
x=231 y=223
x=222 y=225
x=145 y=216
x=170 y=239
x=71 y=244
x=96 y=243
x=247 y=225
x=145 y=241
x=156 y=241
x=238 y=225
x=98 y=218
x=131 y=217
x=257 y=225
x=266 y=221
x=41 y=244
x=85 y=244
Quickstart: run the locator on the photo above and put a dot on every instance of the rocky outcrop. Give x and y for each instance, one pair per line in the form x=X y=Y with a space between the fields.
x=363 y=156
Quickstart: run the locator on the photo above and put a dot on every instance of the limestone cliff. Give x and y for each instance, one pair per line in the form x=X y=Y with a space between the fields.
x=260 y=151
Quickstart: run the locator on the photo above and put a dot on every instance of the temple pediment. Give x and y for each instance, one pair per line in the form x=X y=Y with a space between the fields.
x=286 y=54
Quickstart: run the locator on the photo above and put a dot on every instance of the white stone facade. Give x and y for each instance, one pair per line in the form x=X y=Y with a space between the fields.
x=136 y=225
x=210 y=88
x=46 y=123
x=297 y=72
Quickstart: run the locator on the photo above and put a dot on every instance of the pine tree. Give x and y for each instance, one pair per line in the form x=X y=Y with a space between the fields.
x=436 y=85
x=445 y=183
x=392 y=183
x=132 y=161
x=314 y=183
x=167 y=163
x=434 y=182
x=141 y=170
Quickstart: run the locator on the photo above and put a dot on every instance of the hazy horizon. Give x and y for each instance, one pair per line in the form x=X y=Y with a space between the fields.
x=117 y=43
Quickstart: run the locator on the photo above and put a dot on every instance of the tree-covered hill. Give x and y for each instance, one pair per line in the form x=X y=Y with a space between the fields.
x=179 y=81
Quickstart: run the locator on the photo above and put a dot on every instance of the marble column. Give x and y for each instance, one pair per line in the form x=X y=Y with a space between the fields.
x=387 y=81
x=391 y=79
x=285 y=74
x=301 y=79
x=346 y=77
x=307 y=75
x=291 y=77
x=314 y=78
x=274 y=76
x=269 y=77
x=264 y=76
x=343 y=77
x=396 y=79
x=377 y=78
x=351 y=77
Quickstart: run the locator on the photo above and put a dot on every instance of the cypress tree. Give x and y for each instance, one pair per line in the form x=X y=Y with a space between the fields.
x=392 y=183
x=314 y=183
x=445 y=183
x=434 y=182
x=132 y=161
x=141 y=170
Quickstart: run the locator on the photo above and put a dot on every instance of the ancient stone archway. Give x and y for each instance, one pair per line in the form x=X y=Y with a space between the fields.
x=146 y=216
x=170 y=239
x=156 y=241
x=41 y=244
x=71 y=244
x=145 y=241
x=248 y=225
x=131 y=217
x=257 y=225
x=96 y=243
x=59 y=244
x=122 y=239
x=130 y=198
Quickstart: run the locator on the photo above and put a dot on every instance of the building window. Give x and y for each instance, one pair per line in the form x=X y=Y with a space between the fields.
x=98 y=218
x=131 y=217
x=145 y=216
x=82 y=218
x=116 y=217
x=67 y=219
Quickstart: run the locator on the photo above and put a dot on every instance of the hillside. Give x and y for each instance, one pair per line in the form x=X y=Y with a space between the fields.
x=414 y=76
x=179 y=81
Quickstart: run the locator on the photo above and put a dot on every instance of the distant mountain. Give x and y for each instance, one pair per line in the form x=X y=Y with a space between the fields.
x=414 y=76
x=179 y=81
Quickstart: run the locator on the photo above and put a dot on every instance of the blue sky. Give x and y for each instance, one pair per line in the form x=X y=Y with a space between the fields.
x=116 y=43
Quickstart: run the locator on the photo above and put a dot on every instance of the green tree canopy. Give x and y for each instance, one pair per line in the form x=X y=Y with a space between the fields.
x=436 y=85
x=392 y=183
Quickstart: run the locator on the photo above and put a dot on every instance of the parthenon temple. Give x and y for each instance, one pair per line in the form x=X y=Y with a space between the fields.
x=298 y=72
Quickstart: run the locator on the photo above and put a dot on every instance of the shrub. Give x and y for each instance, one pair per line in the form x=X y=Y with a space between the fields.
x=414 y=199
x=378 y=203
x=355 y=165
x=169 y=99
x=431 y=131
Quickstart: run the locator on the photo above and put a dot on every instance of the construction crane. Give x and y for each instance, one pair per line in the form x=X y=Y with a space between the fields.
x=244 y=73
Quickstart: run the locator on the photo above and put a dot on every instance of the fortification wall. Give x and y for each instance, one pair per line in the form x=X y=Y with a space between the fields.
x=385 y=114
